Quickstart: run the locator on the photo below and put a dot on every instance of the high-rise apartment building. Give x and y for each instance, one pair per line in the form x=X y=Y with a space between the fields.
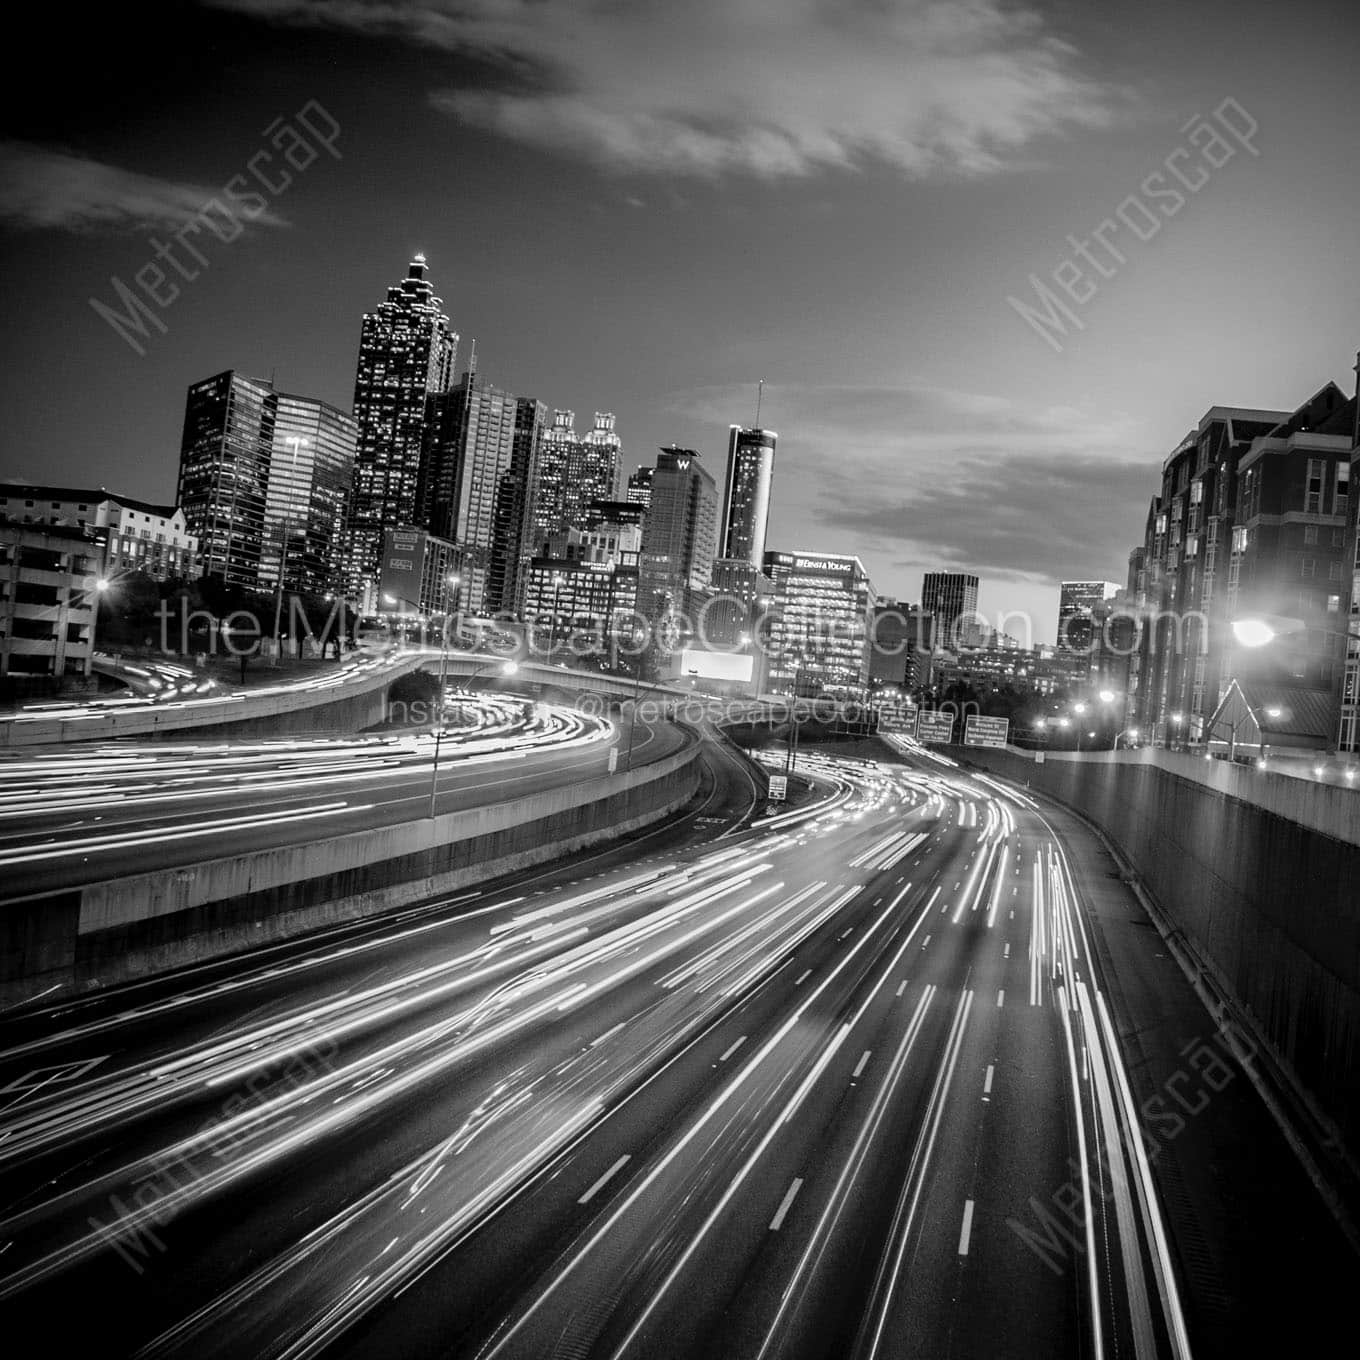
x=951 y=597
x=574 y=470
x=820 y=623
x=680 y=535
x=746 y=494
x=407 y=351
x=311 y=474
x=224 y=459
x=1251 y=522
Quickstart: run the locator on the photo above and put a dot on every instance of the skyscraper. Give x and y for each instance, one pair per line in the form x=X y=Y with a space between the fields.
x=573 y=471
x=512 y=545
x=311 y=475
x=951 y=597
x=820 y=623
x=224 y=458
x=469 y=448
x=1079 y=603
x=746 y=494
x=640 y=487
x=680 y=534
x=407 y=351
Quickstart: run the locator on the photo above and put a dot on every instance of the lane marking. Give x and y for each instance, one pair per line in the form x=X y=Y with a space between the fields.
x=804 y=978
x=967 y=1230
x=733 y=1049
x=903 y=987
x=987 y=1081
x=785 y=1204
x=1001 y=997
x=604 y=1180
x=859 y=1067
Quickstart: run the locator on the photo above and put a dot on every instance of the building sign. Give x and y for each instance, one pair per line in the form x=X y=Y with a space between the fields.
x=935 y=726
x=779 y=788
x=980 y=731
x=402 y=558
x=819 y=564
x=899 y=721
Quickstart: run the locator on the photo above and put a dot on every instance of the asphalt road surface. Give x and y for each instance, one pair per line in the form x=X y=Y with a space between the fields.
x=839 y=1083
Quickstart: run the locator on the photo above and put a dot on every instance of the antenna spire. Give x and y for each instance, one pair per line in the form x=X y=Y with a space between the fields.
x=472 y=359
x=760 y=392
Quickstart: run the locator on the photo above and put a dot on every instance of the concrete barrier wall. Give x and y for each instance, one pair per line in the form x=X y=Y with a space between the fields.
x=1271 y=906
x=359 y=702
x=130 y=927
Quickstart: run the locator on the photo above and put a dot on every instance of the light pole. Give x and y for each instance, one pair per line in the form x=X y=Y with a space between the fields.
x=296 y=441
x=506 y=668
x=1130 y=732
x=791 y=759
x=558 y=578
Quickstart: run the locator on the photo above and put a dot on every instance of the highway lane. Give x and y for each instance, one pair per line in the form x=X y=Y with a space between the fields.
x=742 y=1096
x=87 y=816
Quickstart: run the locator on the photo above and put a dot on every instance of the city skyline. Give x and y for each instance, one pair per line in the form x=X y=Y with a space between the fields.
x=898 y=359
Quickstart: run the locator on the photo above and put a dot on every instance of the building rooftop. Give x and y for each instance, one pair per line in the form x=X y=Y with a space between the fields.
x=84 y=496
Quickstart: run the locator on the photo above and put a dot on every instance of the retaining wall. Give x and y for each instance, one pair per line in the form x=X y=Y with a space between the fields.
x=130 y=927
x=1269 y=904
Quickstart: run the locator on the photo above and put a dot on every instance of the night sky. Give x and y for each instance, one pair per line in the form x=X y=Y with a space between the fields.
x=647 y=207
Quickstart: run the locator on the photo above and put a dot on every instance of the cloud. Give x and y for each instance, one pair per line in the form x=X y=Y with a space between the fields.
x=45 y=187
x=920 y=476
x=774 y=88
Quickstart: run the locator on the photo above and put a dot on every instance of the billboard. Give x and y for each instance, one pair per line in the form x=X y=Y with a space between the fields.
x=779 y=788
x=403 y=556
x=693 y=663
x=980 y=731
x=935 y=726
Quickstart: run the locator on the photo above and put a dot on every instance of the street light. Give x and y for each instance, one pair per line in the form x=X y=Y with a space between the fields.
x=506 y=668
x=297 y=441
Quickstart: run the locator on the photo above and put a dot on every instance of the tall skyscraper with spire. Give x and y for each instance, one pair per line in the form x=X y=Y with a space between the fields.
x=746 y=494
x=407 y=351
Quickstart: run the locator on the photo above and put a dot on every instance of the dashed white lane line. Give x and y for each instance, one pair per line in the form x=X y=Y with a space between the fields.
x=966 y=1232
x=859 y=1066
x=987 y=1080
x=925 y=942
x=1001 y=997
x=733 y=1049
x=902 y=987
x=1006 y=952
x=604 y=1180
x=799 y=981
x=785 y=1204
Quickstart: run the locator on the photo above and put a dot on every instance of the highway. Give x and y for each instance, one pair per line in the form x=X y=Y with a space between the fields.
x=744 y=1087
x=95 y=811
